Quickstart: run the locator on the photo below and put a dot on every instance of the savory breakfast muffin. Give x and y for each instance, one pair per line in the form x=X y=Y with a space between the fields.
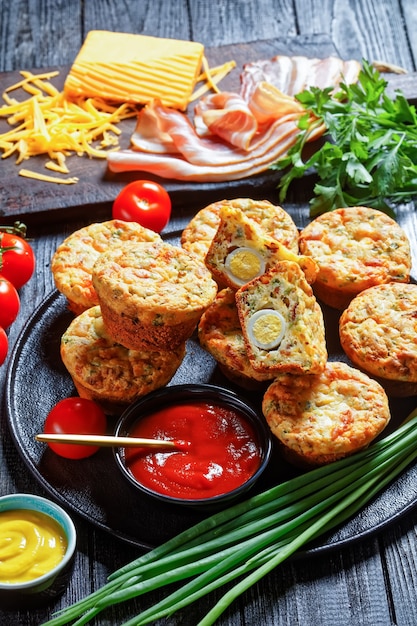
x=74 y=258
x=378 y=332
x=282 y=323
x=220 y=333
x=274 y=221
x=355 y=248
x=323 y=417
x=151 y=295
x=240 y=251
x=105 y=371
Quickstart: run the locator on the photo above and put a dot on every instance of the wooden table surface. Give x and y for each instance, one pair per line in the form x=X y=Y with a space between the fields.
x=369 y=582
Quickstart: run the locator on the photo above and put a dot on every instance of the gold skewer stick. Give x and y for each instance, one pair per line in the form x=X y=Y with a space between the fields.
x=107 y=440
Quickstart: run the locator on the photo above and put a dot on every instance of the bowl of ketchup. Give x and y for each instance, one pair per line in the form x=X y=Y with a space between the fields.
x=222 y=445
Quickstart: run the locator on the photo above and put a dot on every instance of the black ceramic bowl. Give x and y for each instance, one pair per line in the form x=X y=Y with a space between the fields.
x=193 y=394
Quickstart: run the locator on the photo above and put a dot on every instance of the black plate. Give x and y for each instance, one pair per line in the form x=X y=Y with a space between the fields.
x=94 y=487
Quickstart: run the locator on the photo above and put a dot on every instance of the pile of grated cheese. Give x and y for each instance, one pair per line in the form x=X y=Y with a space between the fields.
x=47 y=122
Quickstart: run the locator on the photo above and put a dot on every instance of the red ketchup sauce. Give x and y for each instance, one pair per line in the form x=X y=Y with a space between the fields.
x=223 y=451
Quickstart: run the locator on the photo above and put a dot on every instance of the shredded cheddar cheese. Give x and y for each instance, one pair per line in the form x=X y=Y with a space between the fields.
x=49 y=123
x=211 y=77
x=47 y=179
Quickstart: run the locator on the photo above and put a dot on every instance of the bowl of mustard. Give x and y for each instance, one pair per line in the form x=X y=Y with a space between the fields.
x=37 y=548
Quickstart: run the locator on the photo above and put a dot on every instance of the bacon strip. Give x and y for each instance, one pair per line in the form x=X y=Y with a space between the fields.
x=269 y=103
x=227 y=116
x=148 y=135
x=214 y=167
x=211 y=151
x=291 y=75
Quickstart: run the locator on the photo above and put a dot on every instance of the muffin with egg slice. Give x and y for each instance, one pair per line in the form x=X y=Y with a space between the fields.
x=220 y=333
x=273 y=220
x=240 y=251
x=282 y=322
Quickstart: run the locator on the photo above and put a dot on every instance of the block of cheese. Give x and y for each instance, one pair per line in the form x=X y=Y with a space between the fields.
x=123 y=67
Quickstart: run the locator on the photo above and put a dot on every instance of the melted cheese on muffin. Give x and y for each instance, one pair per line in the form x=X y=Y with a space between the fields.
x=240 y=251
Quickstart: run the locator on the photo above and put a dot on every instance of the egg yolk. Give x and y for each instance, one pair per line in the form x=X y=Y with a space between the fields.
x=266 y=329
x=244 y=264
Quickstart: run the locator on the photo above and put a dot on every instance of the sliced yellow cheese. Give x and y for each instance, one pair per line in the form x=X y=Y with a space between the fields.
x=123 y=67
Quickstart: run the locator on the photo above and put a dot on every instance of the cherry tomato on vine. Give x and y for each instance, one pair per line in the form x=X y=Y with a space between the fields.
x=9 y=303
x=75 y=416
x=145 y=202
x=17 y=259
x=4 y=345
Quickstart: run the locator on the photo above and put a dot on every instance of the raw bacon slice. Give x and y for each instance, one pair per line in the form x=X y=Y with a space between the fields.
x=182 y=135
x=269 y=103
x=228 y=116
x=212 y=151
x=291 y=75
x=225 y=165
x=148 y=135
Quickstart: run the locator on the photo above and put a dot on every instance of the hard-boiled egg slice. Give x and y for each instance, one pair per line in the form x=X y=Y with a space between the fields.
x=266 y=328
x=243 y=264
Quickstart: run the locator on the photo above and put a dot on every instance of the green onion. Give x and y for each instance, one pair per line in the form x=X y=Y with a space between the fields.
x=245 y=542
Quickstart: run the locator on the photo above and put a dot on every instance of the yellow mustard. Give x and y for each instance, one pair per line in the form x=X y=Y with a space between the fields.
x=31 y=544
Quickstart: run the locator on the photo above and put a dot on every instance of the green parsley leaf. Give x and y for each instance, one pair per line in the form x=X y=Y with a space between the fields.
x=369 y=152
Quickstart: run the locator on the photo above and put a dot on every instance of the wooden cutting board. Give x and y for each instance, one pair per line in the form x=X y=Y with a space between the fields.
x=35 y=201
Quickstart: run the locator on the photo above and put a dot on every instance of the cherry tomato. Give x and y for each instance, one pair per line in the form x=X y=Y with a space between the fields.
x=4 y=345
x=75 y=416
x=9 y=303
x=145 y=202
x=17 y=259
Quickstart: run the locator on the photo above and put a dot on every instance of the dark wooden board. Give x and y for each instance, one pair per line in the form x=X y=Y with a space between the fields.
x=33 y=201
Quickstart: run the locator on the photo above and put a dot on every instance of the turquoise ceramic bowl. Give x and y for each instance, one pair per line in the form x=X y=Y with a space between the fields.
x=53 y=583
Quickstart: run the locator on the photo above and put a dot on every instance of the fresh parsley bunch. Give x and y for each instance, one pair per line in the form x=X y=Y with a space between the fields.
x=369 y=156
